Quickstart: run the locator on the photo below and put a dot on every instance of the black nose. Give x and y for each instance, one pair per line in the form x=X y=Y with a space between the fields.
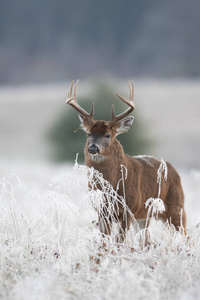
x=93 y=149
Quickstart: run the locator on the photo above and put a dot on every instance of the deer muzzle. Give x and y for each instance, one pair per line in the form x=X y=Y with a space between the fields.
x=93 y=149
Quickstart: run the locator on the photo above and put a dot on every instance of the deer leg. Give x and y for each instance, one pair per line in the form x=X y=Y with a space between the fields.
x=174 y=204
x=178 y=219
x=105 y=225
x=125 y=222
x=144 y=225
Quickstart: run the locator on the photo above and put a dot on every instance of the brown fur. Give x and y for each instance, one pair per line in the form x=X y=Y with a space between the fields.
x=141 y=182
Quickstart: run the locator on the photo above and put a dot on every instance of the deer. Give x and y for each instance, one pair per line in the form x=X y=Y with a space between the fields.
x=104 y=153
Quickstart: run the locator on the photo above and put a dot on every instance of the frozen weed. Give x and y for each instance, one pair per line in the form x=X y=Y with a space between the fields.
x=56 y=251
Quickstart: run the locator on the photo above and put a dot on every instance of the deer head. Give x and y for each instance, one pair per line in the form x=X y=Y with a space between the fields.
x=101 y=134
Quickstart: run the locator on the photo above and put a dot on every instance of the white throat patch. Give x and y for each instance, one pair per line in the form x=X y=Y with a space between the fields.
x=97 y=158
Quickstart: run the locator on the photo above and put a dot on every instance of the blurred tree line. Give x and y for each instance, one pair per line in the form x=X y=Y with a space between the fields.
x=67 y=142
x=48 y=40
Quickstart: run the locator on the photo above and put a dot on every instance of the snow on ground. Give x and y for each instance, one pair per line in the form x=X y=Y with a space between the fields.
x=52 y=249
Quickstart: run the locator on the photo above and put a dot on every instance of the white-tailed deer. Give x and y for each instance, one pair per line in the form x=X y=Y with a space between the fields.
x=105 y=153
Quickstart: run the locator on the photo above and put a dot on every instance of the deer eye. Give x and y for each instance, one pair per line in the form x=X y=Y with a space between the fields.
x=107 y=135
x=89 y=134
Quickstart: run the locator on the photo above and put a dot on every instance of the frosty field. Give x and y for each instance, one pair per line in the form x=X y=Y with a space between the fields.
x=51 y=247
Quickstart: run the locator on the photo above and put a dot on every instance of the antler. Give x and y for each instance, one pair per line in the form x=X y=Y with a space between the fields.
x=75 y=105
x=129 y=102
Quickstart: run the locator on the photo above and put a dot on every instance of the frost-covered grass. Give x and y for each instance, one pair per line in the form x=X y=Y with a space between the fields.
x=51 y=247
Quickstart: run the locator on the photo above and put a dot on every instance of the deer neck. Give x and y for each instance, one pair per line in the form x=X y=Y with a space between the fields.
x=110 y=163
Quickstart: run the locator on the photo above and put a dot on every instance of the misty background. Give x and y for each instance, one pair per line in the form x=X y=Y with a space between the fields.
x=46 y=44
x=48 y=40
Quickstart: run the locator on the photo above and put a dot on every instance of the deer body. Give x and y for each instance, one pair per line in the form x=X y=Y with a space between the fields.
x=140 y=184
x=104 y=153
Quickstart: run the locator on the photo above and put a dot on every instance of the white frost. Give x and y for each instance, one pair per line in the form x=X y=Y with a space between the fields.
x=51 y=247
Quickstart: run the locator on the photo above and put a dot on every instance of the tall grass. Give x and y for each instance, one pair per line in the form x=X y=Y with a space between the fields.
x=51 y=246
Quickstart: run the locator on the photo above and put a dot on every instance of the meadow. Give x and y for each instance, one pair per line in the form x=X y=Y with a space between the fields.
x=51 y=247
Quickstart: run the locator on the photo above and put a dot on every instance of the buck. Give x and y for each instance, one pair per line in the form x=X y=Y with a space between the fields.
x=104 y=153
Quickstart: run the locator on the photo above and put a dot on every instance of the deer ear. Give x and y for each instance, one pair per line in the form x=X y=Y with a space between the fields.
x=81 y=118
x=125 y=124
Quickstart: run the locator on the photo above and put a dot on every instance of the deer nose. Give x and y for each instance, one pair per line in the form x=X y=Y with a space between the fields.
x=93 y=149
